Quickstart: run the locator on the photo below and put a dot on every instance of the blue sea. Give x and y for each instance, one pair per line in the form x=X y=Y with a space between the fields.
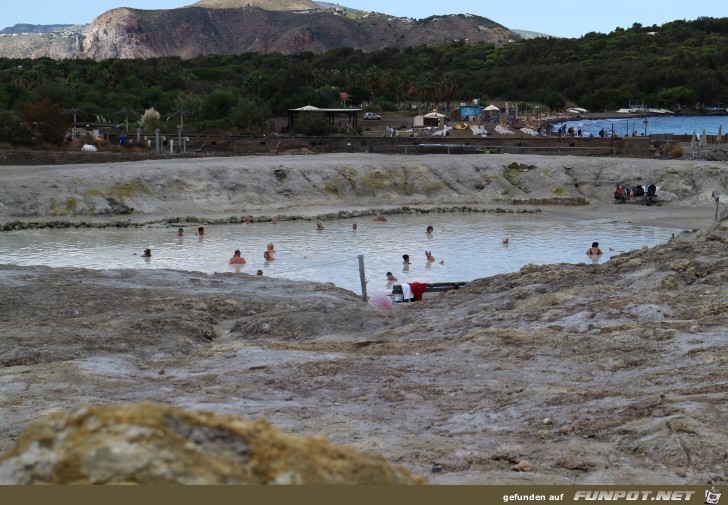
x=679 y=125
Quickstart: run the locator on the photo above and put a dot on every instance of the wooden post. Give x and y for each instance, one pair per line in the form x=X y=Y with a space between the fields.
x=363 y=279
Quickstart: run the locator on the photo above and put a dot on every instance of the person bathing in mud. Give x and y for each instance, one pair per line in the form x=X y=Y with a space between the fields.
x=237 y=259
x=594 y=249
x=405 y=262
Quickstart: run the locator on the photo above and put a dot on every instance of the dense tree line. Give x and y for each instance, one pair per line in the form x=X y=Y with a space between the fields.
x=679 y=65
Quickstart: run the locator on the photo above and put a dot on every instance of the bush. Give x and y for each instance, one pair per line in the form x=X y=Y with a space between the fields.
x=676 y=150
x=312 y=124
x=11 y=132
x=383 y=106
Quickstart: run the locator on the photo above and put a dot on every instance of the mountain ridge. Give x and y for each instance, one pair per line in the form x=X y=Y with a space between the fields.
x=195 y=30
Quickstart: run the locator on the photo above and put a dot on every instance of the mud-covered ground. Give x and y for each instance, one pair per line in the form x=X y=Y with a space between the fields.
x=592 y=374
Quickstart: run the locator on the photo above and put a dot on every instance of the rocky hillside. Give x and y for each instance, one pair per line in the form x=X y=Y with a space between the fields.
x=207 y=28
x=271 y=5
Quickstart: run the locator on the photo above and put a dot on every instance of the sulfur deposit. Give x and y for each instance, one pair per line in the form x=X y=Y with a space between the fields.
x=154 y=444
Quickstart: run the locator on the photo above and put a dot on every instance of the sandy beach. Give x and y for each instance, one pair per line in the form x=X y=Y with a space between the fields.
x=557 y=374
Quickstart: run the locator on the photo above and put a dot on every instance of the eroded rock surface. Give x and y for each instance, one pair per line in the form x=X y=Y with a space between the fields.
x=152 y=444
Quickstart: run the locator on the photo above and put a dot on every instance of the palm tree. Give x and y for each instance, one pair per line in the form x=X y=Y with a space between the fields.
x=181 y=113
x=126 y=112
x=449 y=85
x=374 y=81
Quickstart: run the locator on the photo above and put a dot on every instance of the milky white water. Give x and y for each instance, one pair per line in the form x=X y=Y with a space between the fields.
x=470 y=243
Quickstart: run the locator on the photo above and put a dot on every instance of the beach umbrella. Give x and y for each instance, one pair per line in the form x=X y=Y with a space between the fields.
x=720 y=134
x=693 y=142
x=703 y=140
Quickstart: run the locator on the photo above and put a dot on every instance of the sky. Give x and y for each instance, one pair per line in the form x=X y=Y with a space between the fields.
x=562 y=18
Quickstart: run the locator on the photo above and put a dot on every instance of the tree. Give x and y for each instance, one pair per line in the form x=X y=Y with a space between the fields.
x=554 y=100
x=218 y=105
x=10 y=130
x=313 y=124
x=676 y=96
x=44 y=122
x=449 y=85
x=250 y=114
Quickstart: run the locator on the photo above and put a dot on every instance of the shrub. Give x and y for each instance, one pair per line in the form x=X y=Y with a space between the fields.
x=313 y=124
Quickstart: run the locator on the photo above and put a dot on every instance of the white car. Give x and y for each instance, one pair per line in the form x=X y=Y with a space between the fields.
x=371 y=115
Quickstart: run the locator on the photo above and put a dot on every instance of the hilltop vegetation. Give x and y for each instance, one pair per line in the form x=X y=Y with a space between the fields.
x=680 y=65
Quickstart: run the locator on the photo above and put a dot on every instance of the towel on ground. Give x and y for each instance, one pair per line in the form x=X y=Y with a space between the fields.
x=418 y=288
x=406 y=292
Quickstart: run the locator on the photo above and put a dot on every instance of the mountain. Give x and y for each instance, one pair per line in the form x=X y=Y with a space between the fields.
x=41 y=41
x=270 y=5
x=211 y=27
x=526 y=34
x=26 y=28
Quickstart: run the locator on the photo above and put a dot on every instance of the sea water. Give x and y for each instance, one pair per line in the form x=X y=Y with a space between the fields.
x=470 y=245
x=679 y=125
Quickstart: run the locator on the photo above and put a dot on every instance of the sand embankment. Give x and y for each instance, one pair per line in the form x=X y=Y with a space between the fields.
x=220 y=188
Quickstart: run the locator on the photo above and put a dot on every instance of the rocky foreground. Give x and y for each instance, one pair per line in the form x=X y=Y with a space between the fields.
x=591 y=374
